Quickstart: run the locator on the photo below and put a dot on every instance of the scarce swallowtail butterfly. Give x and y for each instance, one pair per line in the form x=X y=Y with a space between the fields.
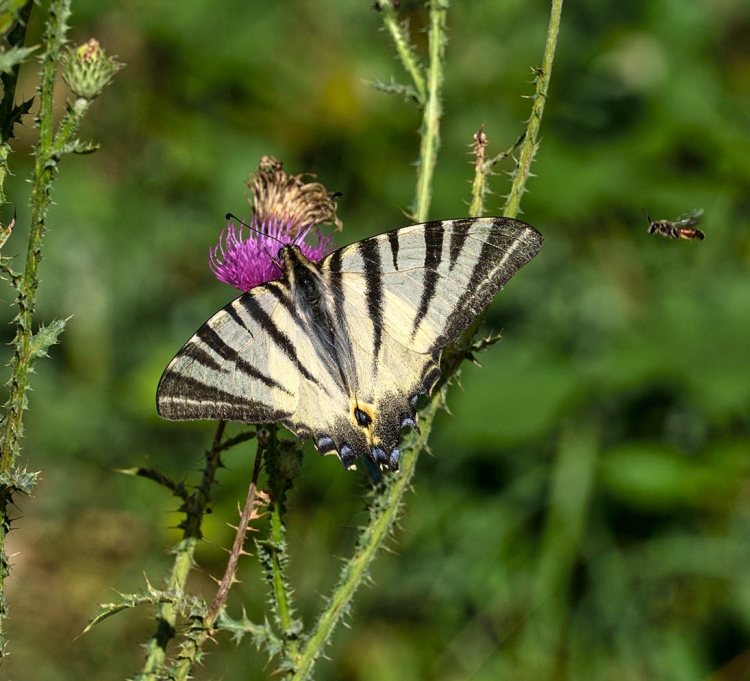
x=340 y=350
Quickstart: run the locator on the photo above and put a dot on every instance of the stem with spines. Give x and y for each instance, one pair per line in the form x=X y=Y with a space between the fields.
x=388 y=499
x=430 y=134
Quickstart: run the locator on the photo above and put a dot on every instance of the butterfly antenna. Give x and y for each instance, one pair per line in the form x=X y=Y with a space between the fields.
x=232 y=216
x=335 y=195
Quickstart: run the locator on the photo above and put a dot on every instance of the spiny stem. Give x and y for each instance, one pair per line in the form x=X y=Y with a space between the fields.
x=16 y=38
x=404 y=48
x=530 y=142
x=166 y=617
x=282 y=466
x=389 y=504
x=483 y=169
x=430 y=132
x=44 y=168
x=281 y=595
x=239 y=542
x=193 y=645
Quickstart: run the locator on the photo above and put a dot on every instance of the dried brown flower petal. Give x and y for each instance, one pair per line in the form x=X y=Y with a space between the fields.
x=275 y=194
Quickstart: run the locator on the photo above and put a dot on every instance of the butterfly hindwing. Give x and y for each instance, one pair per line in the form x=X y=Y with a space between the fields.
x=340 y=350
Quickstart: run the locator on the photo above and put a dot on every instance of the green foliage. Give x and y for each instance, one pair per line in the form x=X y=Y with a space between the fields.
x=186 y=606
x=51 y=145
x=10 y=60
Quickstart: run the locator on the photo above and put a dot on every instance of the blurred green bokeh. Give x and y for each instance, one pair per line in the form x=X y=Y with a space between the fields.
x=586 y=514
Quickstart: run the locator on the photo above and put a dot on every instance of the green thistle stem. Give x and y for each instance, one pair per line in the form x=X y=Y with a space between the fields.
x=387 y=505
x=431 y=120
x=530 y=143
x=44 y=169
x=154 y=667
x=280 y=590
x=404 y=48
x=27 y=283
x=16 y=38
x=384 y=515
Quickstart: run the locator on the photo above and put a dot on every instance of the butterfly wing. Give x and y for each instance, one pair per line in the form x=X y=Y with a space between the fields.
x=254 y=362
x=346 y=368
x=405 y=295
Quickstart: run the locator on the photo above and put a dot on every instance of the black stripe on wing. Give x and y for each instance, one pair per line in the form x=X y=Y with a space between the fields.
x=282 y=341
x=393 y=241
x=433 y=243
x=459 y=234
x=508 y=247
x=369 y=249
x=184 y=398
x=338 y=355
x=195 y=352
x=281 y=294
x=214 y=341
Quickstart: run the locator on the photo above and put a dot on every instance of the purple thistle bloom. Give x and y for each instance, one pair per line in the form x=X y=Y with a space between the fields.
x=247 y=263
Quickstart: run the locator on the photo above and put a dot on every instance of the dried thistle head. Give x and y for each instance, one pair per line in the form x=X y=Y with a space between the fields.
x=275 y=194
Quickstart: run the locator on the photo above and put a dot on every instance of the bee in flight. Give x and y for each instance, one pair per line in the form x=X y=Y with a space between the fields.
x=681 y=228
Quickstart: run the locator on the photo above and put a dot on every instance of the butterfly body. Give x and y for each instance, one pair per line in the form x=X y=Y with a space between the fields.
x=340 y=350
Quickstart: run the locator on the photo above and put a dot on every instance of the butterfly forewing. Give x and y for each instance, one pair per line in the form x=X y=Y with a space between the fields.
x=342 y=356
x=436 y=277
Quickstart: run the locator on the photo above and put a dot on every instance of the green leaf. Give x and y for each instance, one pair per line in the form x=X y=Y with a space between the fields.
x=15 y=117
x=183 y=604
x=13 y=57
x=79 y=147
x=9 y=13
x=19 y=481
x=45 y=337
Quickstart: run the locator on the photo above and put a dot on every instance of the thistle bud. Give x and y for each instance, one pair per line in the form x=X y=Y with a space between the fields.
x=87 y=69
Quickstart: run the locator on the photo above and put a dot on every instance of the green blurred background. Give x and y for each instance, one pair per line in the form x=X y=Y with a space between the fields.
x=586 y=514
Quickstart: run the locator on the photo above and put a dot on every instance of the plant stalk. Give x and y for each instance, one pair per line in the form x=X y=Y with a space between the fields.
x=389 y=505
x=430 y=132
x=530 y=143
x=154 y=667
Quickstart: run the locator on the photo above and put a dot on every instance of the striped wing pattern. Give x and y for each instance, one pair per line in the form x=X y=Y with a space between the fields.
x=340 y=350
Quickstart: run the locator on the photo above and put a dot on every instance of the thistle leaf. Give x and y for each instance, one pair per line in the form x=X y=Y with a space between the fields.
x=78 y=147
x=13 y=57
x=393 y=88
x=6 y=231
x=185 y=605
x=17 y=480
x=46 y=337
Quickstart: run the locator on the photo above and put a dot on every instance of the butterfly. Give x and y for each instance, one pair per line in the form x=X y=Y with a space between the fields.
x=681 y=228
x=340 y=350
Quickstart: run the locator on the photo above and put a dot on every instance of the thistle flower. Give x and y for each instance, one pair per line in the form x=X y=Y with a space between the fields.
x=248 y=262
x=286 y=210
x=87 y=69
